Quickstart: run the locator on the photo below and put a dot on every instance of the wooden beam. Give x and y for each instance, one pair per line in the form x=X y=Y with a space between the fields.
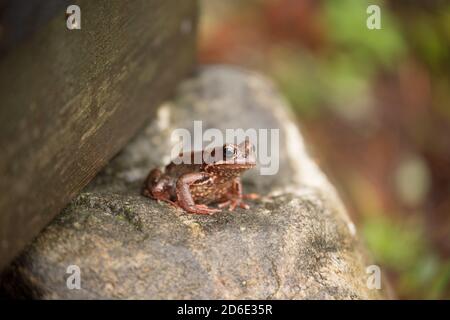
x=70 y=99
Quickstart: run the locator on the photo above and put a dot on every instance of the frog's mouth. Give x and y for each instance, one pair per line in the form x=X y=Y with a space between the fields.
x=235 y=165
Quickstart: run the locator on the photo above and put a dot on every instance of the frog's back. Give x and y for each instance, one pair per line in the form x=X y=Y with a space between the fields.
x=177 y=170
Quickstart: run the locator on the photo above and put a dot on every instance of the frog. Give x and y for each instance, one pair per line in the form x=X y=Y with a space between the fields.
x=216 y=179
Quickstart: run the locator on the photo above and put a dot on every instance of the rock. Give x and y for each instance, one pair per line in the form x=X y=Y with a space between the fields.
x=297 y=242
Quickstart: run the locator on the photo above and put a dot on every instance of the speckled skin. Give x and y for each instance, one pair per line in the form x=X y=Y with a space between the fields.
x=216 y=180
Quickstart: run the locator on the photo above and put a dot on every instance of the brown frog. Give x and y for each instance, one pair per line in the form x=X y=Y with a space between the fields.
x=216 y=180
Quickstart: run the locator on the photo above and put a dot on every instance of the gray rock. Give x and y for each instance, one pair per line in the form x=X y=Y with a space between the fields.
x=297 y=242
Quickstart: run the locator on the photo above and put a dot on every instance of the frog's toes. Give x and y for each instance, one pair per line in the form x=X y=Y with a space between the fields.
x=251 y=196
x=238 y=203
x=202 y=209
x=243 y=205
x=233 y=203
x=224 y=204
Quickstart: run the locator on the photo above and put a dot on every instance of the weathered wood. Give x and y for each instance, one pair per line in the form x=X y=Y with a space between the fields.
x=20 y=19
x=70 y=99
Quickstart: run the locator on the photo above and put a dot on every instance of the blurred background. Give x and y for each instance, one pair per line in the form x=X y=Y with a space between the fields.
x=374 y=106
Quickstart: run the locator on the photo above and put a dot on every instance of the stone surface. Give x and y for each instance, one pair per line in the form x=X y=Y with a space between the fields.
x=297 y=242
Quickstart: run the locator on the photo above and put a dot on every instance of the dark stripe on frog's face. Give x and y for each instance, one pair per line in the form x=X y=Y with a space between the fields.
x=231 y=157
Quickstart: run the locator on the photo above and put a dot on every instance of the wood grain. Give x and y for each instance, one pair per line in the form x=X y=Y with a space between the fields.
x=70 y=99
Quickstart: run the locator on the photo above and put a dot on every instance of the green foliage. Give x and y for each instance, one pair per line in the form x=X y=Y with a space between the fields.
x=341 y=78
x=430 y=38
x=346 y=22
x=402 y=247
x=297 y=75
x=396 y=245
x=311 y=84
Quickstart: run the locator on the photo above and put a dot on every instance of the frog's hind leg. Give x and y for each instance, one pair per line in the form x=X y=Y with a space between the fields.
x=155 y=187
x=152 y=179
x=184 y=196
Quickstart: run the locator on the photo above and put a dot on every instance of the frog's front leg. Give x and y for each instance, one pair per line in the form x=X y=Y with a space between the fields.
x=184 y=196
x=236 y=197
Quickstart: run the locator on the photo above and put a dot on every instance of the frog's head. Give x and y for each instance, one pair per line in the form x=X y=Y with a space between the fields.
x=233 y=158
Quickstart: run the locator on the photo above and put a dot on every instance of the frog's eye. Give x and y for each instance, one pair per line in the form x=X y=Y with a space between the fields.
x=228 y=151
